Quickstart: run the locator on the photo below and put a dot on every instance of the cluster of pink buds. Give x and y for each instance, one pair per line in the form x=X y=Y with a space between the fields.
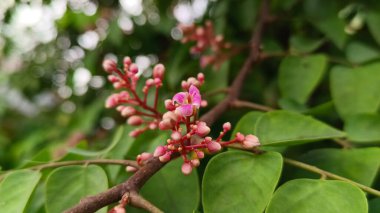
x=128 y=102
x=188 y=137
x=206 y=41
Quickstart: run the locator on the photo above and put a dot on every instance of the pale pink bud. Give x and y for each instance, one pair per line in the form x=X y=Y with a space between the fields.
x=202 y=129
x=117 y=209
x=165 y=158
x=219 y=38
x=149 y=82
x=200 y=154
x=111 y=101
x=135 y=120
x=213 y=146
x=157 y=82
x=158 y=71
x=128 y=111
x=120 y=108
x=200 y=31
x=204 y=103
x=131 y=169
x=208 y=139
x=152 y=125
x=134 y=69
x=185 y=85
x=160 y=151
x=135 y=133
x=113 y=78
x=171 y=116
x=201 y=77
x=141 y=158
x=124 y=95
x=109 y=65
x=127 y=61
x=195 y=162
x=176 y=136
x=239 y=137
x=117 y=85
x=227 y=126
x=251 y=141
x=169 y=105
x=186 y=168
x=165 y=124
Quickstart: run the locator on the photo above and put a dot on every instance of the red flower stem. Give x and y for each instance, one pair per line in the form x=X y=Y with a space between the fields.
x=228 y=142
x=145 y=114
x=155 y=99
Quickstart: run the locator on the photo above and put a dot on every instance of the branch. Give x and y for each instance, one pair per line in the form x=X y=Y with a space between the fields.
x=138 y=201
x=254 y=57
x=136 y=181
x=325 y=173
x=247 y=104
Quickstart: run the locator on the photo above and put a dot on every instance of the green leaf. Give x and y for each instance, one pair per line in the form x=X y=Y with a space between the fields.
x=299 y=76
x=356 y=90
x=171 y=191
x=238 y=181
x=358 y=52
x=374 y=205
x=65 y=186
x=302 y=44
x=363 y=128
x=246 y=124
x=316 y=196
x=16 y=189
x=359 y=165
x=290 y=128
x=373 y=22
x=326 y=20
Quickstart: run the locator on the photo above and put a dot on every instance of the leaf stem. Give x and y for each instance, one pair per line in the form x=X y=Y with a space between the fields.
x=327 y=174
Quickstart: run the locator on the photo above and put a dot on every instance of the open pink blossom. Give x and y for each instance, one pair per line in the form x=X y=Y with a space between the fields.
x=188 y=102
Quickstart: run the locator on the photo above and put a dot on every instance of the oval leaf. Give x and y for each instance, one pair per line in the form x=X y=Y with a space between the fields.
x=171 y=191
x=237 y=181
x=65 y=186
x=16 y=189
x=359 y=165
x=299 y=76
x=246 y=124
x=357 y=90
x=316 y=196
x=363 y=128
x=289 y=128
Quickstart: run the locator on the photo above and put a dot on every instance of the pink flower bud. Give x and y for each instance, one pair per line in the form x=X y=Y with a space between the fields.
x=204 y=103
x=202 y=129
x=160 y=151
x=186 y=168
x=149 y=82
x=117 y=209
x=124 y=95
x=251 y=141
x=208 y=139
x=171 y=116
x=176 y=136
x=200 y=31
x=152 y=125
x=128 y=111
x=113 y=78
x=117 y=85
x=135 y=133
x=165 y=158
x=200 y=154
x=227 y=126
x=109 y=65
x=239 y=137
x=213 y=147
x=141 y=158
x=111 y=101
x=195 y=162
x=165 y=124
x=169 y=105
x=134 y=69
x=185 y=85
x=120 y=108
x=135 y=120
x=127 y=61
x=157 y=82
x=201 y=77
x=130 y=169
x=158 y=71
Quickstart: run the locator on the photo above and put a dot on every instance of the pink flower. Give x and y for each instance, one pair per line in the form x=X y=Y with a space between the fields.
x=186 y=168
x=188 y=101
x=251 y=141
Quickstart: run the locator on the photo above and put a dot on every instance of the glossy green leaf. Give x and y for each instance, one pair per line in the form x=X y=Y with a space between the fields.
x=289 y=128
x=356 y=90
x=299 y=76
x=358 y=52
x=363 y=128
x=359 y=165
x=65 y=186
x=302 y=44
x=238 y=181
x=246 y=124
x=373 y=22
x=171 y=191
x=316 y=196
x=16 y=189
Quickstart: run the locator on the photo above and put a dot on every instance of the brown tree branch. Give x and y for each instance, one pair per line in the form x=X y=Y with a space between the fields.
x=140 y=202
x=134 y=183
x=251 y=105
